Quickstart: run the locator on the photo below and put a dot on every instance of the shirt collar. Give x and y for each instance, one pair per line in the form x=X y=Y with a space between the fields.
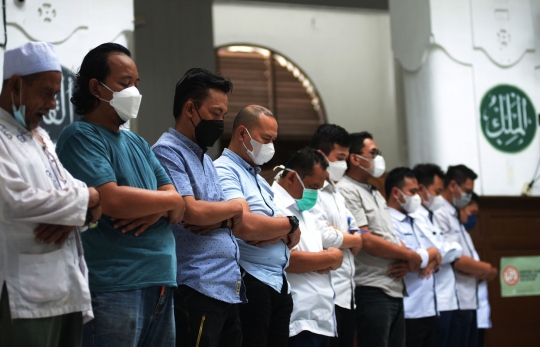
x=397 y=215
x=366 y=186
x=241 y=162
x=281 y=194
x=192 y=145
x=329 y=186
x=449 y=207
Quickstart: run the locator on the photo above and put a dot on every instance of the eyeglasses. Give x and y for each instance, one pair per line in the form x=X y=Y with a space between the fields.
x=374 y=153
x=57 y=168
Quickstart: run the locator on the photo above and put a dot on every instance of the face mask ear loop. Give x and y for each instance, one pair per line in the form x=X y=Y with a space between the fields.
x=252 y=145
x=20 y=98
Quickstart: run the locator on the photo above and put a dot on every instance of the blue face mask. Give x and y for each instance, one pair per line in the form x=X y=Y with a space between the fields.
x=309 y=196
x=470 y=223
x=21 y=112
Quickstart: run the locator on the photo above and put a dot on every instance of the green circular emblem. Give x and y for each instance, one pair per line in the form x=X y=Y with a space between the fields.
x=507 y=118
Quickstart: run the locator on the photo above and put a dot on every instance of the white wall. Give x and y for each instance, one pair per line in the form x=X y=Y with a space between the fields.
x=346 y=54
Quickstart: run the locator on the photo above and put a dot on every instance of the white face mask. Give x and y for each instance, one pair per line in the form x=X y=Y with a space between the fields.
x=433 y=203
x=377 y=165
x=336 y=169
x=262 y=153
x=125 y=102
x=411 y=203
x=463 y=200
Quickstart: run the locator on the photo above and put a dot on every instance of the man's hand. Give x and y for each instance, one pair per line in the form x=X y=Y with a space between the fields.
x=398 y=270
x=414 y=260
x=236 y=221
x=436 y=256
x=176 y=215
x=294 y=238
x=50 y=233
x=428 y=270
x=267 y=242
x=336 y=257
x=201 y=230
x=142 y=223
x=356 y=249
x=490 y=275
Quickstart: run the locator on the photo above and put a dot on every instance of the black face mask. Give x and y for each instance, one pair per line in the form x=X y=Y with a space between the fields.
x=207 y=132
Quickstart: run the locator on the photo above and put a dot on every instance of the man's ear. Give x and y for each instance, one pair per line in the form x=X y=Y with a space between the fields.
x=189 y=108
x=14 y=85
x=240 y=133
x=93 y=85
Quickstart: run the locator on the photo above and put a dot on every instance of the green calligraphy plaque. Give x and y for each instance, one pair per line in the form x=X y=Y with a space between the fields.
x=507 y=118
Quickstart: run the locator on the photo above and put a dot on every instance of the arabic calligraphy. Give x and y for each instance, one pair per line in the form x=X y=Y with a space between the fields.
x=64 y=113
x=508 y=118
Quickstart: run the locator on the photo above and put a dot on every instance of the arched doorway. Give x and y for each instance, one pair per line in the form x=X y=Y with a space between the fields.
x=264 y=77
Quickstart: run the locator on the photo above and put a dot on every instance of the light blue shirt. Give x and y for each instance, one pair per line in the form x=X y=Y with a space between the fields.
x=421 y=301
x=207 y=263
x=240 y=180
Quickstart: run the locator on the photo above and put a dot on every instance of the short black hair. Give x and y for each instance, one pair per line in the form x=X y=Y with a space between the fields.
x=460 y=174
x=94 y=65
x=195 y=85
x=327 y=135
x=249 y=116
x=425 y=173
x=304 y=161
x=357 y=141
x=396 y=178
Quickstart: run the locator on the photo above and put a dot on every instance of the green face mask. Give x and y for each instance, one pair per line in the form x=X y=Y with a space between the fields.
x=309 y=196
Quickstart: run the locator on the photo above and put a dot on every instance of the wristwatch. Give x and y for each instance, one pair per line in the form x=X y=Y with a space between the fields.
x=294 y=223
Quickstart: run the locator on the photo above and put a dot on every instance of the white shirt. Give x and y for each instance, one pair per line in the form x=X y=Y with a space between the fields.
x=453 y=231
x=445 y=278
x=42 y=280
x=421 y=301
x=312 y=293
x=484 y=310
x=331 y=212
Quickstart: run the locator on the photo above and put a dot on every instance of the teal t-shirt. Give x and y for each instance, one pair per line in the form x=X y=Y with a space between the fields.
x=116 y=261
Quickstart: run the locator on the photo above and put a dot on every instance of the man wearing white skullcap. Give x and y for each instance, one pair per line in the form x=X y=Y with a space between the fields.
x=43 y=277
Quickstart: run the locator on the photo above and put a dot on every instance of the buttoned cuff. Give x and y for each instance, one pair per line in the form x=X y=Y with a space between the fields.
x=425 y=257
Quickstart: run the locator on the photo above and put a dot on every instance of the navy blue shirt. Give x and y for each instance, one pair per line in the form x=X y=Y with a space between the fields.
x=207 y=263
x=116 y=261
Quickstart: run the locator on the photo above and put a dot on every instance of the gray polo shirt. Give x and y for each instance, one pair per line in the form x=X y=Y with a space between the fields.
x=369 y=208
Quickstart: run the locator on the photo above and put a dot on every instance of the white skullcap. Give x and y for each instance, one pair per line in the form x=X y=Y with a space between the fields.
x=30 y=58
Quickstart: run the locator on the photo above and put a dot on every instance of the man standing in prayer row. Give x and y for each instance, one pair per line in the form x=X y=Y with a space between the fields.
x=43 y=277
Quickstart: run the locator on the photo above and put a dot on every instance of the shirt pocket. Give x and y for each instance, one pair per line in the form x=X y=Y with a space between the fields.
x=43 y=277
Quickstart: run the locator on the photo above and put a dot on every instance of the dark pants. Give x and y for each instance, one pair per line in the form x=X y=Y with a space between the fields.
x=205 y=322
x=468 y=330
x=308 y=339
x=421 y=332
x=447 y=329
x=57 y=331
x=481 y=337
x=131 y=318
x=379 y=319
x=346 y=324
x=266 y=317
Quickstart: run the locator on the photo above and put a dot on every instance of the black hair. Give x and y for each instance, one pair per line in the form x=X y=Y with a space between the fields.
x=195 y=85
x=327 y=135
x=396 y=178
x=425 y=173
x=304 y=161
x=249 y=116
x=460 y=174
x=357 y=141
x=94 y=65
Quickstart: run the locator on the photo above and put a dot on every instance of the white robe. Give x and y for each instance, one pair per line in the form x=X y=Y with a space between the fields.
x=43 y=280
